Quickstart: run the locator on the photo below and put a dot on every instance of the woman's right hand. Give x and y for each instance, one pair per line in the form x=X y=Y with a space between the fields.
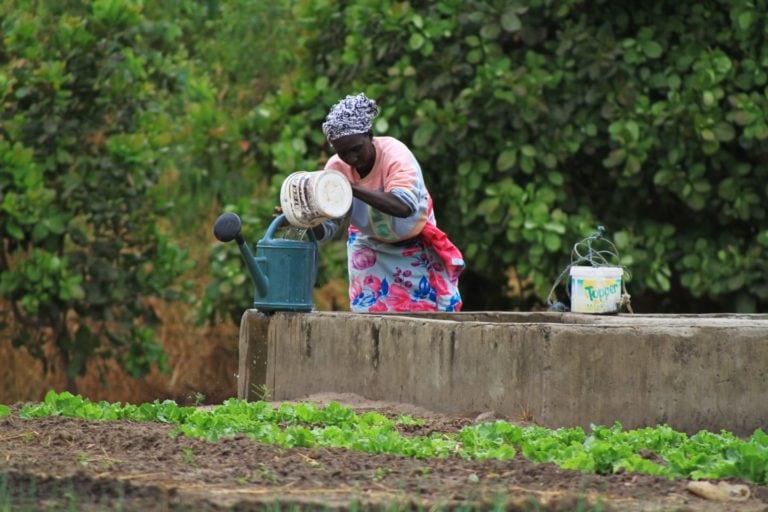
x=276 y=212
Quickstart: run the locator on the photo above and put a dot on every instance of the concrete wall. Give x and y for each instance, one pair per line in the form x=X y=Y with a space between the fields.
x=561 y=369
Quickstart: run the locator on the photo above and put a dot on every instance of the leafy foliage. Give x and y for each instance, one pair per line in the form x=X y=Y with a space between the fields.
x=603 y=450
x=536 y=122
x=85 y=124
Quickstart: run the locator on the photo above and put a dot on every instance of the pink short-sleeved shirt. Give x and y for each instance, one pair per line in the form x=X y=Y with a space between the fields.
x=395 y=170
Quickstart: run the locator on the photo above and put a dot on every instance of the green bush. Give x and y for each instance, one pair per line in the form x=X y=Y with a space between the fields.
x=85 y=126
x=124 y=121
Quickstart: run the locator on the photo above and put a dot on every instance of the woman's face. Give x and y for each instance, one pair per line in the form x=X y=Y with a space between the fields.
x=357 y=151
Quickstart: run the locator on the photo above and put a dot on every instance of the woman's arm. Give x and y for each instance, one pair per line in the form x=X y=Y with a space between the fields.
x=385 y=202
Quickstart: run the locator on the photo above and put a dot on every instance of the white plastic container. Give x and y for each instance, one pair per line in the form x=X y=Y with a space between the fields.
x=596 y=289
x=311 y=198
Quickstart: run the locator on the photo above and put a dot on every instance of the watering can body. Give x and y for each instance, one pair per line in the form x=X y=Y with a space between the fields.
x=289 y=268
x=283 y=271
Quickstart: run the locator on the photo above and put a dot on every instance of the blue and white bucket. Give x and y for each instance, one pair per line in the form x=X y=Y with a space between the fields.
x=596 y=290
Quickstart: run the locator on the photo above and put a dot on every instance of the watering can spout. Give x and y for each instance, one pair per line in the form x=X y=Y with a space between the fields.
x=259 y=278
x=226 y=229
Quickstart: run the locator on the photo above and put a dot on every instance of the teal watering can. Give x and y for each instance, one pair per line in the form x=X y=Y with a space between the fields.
x=283 y=271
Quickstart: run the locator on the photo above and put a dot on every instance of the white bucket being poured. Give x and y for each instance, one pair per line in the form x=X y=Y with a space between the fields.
x=596 y=289
x=311 y=198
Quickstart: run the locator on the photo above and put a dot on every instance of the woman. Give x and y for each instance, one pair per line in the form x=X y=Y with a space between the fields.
x=398 y=259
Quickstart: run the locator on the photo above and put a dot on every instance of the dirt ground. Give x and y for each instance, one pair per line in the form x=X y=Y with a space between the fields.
x=65 y=464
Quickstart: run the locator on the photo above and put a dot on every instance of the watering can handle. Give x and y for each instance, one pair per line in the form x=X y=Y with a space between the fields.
x=279 y=221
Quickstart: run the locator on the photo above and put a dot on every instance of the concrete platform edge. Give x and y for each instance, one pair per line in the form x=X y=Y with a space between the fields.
x=560 y=369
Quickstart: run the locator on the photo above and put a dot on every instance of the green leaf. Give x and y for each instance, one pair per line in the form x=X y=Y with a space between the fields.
x=489 y=206
x=633 y=129
x=662 y=281
x=662 y=177
x=490 y=31
x=506 y=160
x=475 y=181
x=555 y=227
x=549 y=160
x=381 y=125
x=527 y=164
x=652 y=49
x=724 y=132
x=14 y=230
x=556 y=178
x=510 y=21
x=615 y=158
x=710 y=147
x=416 y=41
x=723 y=63
x=423 y=134
x=744 y=20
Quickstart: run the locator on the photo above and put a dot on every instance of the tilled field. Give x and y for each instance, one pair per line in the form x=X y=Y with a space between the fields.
x=59 y=463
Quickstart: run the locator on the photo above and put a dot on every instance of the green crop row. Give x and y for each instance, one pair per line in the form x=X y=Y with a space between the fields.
x=656 y=450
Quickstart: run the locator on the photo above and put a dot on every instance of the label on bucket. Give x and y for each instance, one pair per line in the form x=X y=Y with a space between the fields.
x=595 y=289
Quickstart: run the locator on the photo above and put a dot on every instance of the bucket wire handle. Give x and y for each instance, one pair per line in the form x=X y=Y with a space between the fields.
x=582 y=252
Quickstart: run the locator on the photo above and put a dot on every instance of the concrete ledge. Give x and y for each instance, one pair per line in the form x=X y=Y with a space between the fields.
x=562 y=369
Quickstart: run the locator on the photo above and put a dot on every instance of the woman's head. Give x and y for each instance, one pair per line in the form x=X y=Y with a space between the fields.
x=348 y=128
x=351 y=116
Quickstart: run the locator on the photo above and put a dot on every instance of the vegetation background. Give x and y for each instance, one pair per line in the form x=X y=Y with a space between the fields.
x=128 y=126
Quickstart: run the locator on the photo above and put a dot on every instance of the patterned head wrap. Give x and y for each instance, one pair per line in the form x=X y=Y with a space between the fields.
x=350 y=116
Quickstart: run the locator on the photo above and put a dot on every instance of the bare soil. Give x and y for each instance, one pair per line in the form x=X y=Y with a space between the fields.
x=65 y=464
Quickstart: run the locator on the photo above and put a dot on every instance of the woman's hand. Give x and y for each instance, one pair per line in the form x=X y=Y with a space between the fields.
x=318 y=231
x=276 y=213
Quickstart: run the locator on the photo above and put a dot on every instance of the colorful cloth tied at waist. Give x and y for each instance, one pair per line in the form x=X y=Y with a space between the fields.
x=448 y=252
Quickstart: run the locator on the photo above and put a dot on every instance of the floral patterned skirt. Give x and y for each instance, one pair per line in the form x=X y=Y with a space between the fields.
x=398 y=277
